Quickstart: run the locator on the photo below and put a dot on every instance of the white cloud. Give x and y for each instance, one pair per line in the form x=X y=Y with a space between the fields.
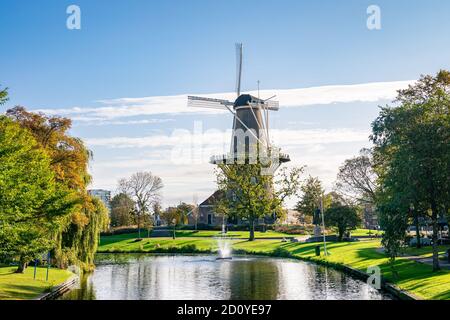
x=86 y=121
x=220 y=139
x=130 y=107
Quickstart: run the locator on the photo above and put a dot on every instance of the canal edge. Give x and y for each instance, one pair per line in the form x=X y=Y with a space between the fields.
x=361 y=275
x=60 y=289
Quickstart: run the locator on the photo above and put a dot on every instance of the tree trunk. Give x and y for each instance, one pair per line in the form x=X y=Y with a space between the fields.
x=22 y=266
x=139 y=226
x=434 y=218
x=174 y=232
x=252 y=230
x=341 y=234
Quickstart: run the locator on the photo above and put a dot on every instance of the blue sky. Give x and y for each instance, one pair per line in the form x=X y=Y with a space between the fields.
x=139 y=49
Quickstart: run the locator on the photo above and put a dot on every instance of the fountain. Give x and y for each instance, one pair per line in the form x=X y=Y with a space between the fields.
x=224 y=250
x=224 y=246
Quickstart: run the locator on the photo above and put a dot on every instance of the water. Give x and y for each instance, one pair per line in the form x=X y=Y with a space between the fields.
x=186 y=277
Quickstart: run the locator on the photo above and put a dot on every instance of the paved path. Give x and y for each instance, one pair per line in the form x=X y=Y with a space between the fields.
x=444 y=264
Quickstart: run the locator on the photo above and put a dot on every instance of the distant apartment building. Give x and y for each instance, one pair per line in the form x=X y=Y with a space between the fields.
x=103 y=195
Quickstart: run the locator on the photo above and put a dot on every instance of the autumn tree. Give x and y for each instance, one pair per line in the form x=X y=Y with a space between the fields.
x=144 y=188
x=412 y=156
x=32 y=203
x=69 y=160
x=184 y=209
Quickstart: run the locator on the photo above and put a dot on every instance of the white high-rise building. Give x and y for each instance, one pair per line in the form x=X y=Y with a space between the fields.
x=103 y=195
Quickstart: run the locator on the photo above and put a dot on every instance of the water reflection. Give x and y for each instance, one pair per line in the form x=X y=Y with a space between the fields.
x=144 y=277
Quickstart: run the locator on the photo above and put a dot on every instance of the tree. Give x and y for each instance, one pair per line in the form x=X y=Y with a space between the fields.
x=69 y=156
x=357 y=179
x=195 y=211
x=157 y=210
x=250 y=195
x=342 y=217
x=69 y=160
x=122 y=210
x=3 y=96
x=394 y=223
x=184 y=209
x=412 y=154
x=172 y=216
x=311 y=191
x=144 y=188
x=31 y=201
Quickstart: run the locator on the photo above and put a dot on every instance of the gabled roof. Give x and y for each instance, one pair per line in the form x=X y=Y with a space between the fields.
x=212 y=199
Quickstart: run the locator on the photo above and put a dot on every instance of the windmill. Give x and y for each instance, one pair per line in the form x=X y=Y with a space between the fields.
x=250 y=120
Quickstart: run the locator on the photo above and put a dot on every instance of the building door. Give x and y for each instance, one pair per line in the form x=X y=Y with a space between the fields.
x=209 y=218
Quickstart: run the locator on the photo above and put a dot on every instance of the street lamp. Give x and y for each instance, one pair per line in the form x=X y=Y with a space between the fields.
x=323 y=226
x=174 y=221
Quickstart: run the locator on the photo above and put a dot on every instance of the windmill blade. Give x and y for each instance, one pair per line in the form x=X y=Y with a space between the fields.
x=201 y=102
x=238 y=68
x=269 y=105
x=272 y=105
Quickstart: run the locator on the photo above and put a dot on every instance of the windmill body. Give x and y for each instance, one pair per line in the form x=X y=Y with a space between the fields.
x=250 y=140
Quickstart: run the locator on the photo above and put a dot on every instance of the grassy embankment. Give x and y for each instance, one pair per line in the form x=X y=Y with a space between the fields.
x=15 y=286
x=414 y=277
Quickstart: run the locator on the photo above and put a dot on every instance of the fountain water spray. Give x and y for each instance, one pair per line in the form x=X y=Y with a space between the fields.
x=224 y=246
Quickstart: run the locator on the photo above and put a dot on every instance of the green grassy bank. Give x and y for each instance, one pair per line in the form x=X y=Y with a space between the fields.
x=16 y=286
x=413 y=277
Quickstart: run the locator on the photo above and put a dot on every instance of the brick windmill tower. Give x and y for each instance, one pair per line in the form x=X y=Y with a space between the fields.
x=250 y=140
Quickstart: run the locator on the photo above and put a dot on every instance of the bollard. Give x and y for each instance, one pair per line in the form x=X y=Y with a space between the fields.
x=317 y=251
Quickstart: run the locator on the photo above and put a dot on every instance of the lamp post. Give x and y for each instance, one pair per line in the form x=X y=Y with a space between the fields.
x=323 y=226
x=48 y=265
x=174 y=221
x=35 y=267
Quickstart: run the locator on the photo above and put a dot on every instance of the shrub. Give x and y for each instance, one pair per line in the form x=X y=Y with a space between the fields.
x=292 y=229
x=281 y=252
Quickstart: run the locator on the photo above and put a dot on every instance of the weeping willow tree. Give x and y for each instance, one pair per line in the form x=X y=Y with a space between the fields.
x=77 y=242
x=76 y=237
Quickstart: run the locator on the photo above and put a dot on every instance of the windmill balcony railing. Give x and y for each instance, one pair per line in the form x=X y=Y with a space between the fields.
x=230 y=158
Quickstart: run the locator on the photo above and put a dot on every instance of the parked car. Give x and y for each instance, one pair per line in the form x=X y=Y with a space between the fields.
x=423 y=242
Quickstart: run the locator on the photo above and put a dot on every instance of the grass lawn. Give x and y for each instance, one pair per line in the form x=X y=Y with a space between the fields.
x=414 y=277
x=201 y=234
x=14 y=286
x=425 y=251
x=365 y=232
x=233 y=234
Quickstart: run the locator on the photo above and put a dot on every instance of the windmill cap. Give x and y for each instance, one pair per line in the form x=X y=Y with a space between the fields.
x=245 y=100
